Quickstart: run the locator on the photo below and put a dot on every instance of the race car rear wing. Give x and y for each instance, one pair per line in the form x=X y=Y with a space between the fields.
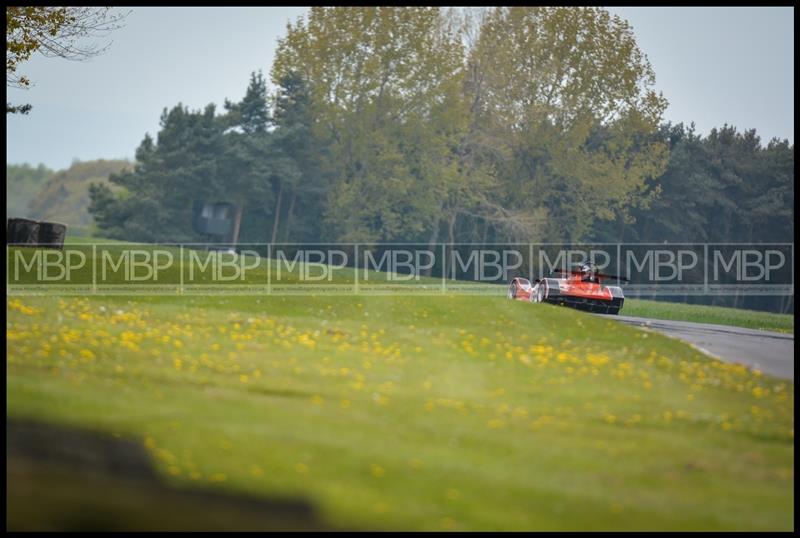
x=598 y=275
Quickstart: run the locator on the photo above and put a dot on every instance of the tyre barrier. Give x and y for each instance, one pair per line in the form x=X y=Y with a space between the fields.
x=32 y=233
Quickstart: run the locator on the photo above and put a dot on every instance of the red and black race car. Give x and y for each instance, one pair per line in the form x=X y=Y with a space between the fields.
x=581 y=288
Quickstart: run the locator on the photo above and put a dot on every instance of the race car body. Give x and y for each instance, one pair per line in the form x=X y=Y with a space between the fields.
x=582 y=289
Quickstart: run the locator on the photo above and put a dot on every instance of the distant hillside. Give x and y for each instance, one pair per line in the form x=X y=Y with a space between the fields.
x=65 y=196
x=23 y=183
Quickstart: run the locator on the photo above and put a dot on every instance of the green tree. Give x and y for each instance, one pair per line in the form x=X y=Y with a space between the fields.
x=244 y=165
x=684 y=196
x=771 y=206
x=294 y=136
x=566 y=111
x=379 y=79
x=199 y=156
x=252 y=113
x=156 y=197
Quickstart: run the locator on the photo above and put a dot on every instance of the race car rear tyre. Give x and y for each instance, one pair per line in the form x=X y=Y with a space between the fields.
x=615 y=306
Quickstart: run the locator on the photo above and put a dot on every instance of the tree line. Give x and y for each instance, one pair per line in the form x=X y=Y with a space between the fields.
x=61 y=196
x=428 y=125
x=23 y=183
x=726 y=187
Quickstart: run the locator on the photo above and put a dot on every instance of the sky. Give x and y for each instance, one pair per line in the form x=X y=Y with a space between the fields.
x=714 y=65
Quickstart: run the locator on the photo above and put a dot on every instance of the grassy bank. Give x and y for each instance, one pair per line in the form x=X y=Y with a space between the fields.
x=752 y=319
x=417 y=413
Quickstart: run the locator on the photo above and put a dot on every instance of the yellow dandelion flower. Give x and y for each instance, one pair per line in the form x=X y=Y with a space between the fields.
x=376 y=470
x=256 y=471
x=301 y=468
x=495 y=424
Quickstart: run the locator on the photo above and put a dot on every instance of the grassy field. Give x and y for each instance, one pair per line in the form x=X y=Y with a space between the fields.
x=709 y=314
x=404 y=412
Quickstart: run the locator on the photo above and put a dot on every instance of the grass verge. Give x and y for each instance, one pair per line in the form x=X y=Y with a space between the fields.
x=736 y=317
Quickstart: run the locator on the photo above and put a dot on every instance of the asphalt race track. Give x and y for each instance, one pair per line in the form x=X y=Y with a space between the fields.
x=770 y=352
